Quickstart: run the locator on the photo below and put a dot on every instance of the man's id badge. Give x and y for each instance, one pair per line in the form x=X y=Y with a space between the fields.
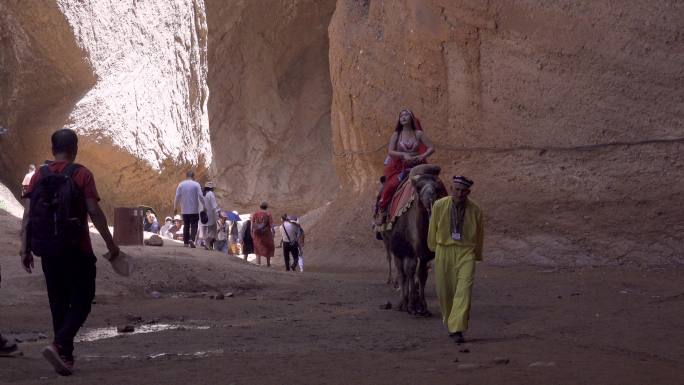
x=456 y=236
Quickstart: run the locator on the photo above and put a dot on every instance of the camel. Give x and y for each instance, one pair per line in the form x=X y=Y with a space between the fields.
x=406 y=241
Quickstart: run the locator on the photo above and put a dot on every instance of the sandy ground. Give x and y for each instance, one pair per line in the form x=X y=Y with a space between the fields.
x=529 y=325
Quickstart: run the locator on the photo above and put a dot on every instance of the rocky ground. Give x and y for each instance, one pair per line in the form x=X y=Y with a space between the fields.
x=529 y=325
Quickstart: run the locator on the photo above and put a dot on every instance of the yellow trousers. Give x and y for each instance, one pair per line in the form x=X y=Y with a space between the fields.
x=454 y=270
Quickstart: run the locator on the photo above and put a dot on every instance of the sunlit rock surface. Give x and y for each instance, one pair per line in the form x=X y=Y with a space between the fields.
x=129 y=77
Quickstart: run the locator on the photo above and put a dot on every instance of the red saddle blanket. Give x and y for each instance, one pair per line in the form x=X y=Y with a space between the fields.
x=401 y=201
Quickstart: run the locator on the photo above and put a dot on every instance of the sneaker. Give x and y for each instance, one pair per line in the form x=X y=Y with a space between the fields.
x=192 y=245
x=63 y=365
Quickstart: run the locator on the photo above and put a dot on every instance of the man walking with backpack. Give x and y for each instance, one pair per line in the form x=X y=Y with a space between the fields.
x=289 y=232
x=61 y=195
x=189 y=196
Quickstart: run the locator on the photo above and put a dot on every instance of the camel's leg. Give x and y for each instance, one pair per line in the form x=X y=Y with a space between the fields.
x=422 y=281
x=390 y=280
x=410 y=274
x=402 y=278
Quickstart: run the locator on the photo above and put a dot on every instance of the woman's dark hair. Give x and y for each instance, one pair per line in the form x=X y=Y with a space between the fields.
x=64 y=141
x=400 y=127
x=206 y=189
x=263 y=206
x=284 y=217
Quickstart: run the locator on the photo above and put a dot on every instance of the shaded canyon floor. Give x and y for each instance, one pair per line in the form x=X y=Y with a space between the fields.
x=528 y=325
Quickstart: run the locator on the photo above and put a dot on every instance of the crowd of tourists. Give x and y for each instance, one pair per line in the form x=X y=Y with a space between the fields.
x=202 y=223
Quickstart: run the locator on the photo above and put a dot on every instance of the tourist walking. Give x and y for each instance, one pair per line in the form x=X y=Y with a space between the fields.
x=289 y=233
x=262 y=234
x=233 y=237
x=57 y=221
x=27 y=178
x=456 y=234
x=189 y=197
x=246 y=239
x=221 y=235
x=212 y=216
x=300 y=241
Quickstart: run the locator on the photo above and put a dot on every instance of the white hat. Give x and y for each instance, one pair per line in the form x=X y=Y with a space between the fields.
x=177 y=218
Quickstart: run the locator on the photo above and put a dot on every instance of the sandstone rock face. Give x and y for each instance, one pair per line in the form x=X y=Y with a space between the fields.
x=129 y=77
x=568 y=116
x=43 y=73
x=269 y=110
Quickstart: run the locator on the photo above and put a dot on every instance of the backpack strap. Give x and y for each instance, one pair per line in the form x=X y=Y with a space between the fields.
x=70 y=169
x=289 y=240
x=45 y=170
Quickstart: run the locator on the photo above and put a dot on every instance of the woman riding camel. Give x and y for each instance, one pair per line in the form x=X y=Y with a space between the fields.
x=408 y=147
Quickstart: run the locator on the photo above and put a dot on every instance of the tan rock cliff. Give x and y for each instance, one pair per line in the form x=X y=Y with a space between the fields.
x=568 y=116
x=269 y=110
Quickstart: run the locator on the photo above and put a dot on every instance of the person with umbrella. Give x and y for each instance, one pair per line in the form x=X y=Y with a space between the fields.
x=233 y=219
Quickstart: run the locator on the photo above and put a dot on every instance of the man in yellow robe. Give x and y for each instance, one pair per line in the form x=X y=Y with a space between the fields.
x=456 y=236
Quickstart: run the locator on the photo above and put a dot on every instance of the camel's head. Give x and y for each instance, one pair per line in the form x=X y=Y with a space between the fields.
x=425 y=179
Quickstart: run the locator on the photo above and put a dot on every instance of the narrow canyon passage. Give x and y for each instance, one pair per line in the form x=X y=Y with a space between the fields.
x=568 y=116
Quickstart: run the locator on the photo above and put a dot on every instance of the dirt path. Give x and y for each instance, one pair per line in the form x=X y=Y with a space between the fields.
x=586 y=326
x=609 y=325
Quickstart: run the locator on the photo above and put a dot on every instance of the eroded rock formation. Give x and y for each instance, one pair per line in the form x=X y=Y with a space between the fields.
x=269 y=110
x=568 y=116
x=43 y=73
x=129 y=77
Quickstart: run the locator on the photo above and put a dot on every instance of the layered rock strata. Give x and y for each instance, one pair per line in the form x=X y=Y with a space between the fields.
x=568 y=116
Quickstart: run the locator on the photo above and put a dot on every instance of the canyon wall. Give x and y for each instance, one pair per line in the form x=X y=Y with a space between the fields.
x=269 y=110
x=568 y=116
x=129 y=77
